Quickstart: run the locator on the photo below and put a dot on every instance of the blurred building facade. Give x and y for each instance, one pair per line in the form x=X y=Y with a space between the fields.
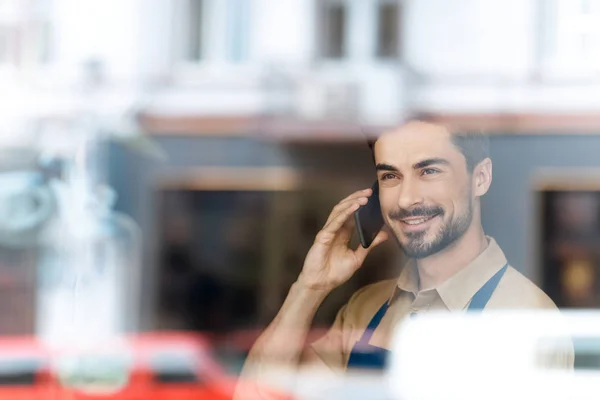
x=276 y=96
x=371 y=62
x=375 y=62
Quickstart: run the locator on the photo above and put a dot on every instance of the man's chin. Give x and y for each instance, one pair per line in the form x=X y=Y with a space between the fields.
x=415 y=238
x=415 y=247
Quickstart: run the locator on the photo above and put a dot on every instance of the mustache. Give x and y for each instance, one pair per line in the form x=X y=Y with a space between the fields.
x=421 y=211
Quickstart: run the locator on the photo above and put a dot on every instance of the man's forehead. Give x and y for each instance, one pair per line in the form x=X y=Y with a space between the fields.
x=414 y=139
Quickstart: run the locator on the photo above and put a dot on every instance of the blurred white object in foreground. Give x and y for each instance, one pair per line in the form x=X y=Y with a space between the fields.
x=496 y=355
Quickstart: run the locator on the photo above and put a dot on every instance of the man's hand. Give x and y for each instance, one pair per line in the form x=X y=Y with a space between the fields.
x=330 y=262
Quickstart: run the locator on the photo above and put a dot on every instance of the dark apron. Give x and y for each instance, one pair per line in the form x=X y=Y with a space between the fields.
x=364 y=355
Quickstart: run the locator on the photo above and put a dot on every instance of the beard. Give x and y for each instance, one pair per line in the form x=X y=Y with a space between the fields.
x=416 y=244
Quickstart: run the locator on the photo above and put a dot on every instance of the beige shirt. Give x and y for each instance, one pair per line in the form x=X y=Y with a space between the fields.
x=514 y=291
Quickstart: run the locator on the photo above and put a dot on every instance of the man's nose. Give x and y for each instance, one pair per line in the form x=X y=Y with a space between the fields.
x=410 y=194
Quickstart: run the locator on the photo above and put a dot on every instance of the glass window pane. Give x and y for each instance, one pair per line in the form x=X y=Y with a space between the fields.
x=194 y=33
x=238 y=29
x=45 y=42
x=387 y=30
x=19 y=371
x=334 y=29
x=174 y=367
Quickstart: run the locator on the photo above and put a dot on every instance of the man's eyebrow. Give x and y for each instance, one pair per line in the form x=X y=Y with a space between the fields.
x=386 y=167
x=430 y=162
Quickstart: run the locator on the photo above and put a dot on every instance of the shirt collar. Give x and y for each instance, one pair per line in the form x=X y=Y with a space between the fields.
x=409 y=278
x=457 y=291
x=408 y=281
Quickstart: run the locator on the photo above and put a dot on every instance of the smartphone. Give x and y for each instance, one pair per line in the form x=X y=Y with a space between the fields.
x=368 y=218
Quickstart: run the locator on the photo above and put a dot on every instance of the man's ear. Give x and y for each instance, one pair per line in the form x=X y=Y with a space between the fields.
x=482 y=177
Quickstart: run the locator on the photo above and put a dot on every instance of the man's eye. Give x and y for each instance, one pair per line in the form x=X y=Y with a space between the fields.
x=430 y=171
x=386 y=177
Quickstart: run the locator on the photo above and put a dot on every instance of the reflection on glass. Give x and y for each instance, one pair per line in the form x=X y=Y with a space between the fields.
x=174 y=366
x=106 y=372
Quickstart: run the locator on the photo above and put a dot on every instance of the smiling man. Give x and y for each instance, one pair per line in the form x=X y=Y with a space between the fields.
x=431 y=181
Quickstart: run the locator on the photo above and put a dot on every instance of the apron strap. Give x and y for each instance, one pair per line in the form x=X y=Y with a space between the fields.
x=373 y=324
x=478 y=302
x=483 y=295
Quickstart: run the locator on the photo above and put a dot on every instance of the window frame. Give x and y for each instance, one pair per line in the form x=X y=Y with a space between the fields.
x=322 y=30
x=33 y=33
x=377 y=48
x=561 y=23
x=215 y=67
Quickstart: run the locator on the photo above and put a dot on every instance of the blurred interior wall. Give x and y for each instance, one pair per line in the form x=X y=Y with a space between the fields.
x=509 y=210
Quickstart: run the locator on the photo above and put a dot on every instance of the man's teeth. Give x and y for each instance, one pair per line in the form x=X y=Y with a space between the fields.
x=416 y=221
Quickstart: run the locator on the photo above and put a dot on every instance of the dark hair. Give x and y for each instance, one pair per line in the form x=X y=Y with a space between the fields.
x=474 y=145
x=371 y=143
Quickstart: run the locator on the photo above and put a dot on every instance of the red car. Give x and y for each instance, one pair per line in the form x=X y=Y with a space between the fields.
x=149 y=366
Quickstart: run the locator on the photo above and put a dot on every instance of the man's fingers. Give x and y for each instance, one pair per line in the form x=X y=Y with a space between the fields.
x=344 y=234
x=329 y=232
x=359 y=193
x=342 y=207
x=344 y=202
x=361 y=253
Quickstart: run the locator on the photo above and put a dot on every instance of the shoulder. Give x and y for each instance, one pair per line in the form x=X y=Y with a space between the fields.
x=517 y=291
x=377 y=292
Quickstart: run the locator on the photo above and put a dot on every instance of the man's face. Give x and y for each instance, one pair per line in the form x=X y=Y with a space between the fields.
x=425 y=189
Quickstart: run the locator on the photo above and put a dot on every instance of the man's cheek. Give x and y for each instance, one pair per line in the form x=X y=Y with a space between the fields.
x=388 y=198
x=385 y=206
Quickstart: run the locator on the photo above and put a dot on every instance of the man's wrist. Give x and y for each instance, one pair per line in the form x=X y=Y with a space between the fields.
x=309 y=292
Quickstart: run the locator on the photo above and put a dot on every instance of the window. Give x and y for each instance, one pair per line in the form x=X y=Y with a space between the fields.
x=213 y=29
x=176 y=376
x=238 y=16
x=589 y=7
x=574 y=35
x=194 y=29
x=388 y=21
x=334 y=16
x=19 y=371
x=174 y=367
x=568 y=257
x=587 y=353
x=25 y=32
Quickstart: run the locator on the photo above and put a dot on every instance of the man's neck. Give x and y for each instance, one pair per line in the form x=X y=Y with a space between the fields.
x=436 y=269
